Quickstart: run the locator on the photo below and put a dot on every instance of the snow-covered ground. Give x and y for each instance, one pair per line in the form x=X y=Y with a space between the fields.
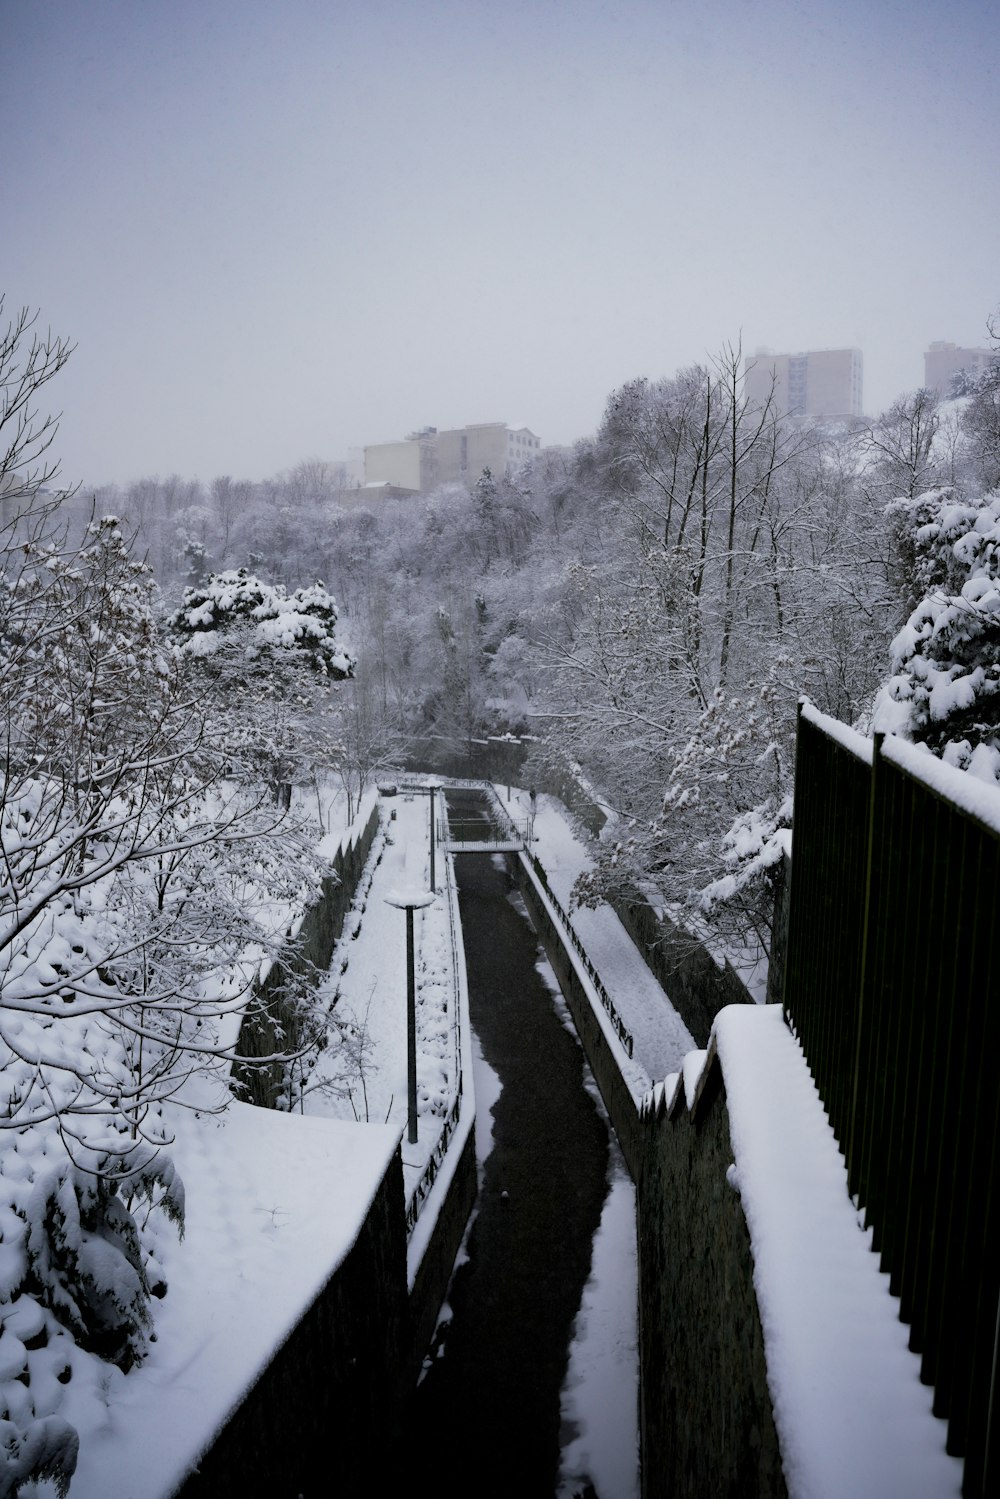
x=364 y=1077
x=274 y=1203
x=600 y=1395
x=600 y=1398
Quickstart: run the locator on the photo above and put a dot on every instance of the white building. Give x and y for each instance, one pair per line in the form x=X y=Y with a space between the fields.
x=427 y=458
x=821 y=383
x=943 y=361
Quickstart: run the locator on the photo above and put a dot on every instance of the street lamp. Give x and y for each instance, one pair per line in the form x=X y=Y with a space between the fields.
x=432 y=787
x=410 y=900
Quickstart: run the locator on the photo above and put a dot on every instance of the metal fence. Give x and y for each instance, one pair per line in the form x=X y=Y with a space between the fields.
x=890 y=986
x=621 y=1029
x=485 y=835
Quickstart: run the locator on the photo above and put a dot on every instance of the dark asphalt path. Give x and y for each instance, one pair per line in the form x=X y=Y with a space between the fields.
x=485 y=1419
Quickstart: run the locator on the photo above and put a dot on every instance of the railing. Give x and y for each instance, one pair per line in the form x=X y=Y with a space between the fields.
x=621 y=1029
x=429 y=1174
x=430 y=1171
x=486 y=835
x=890 y=986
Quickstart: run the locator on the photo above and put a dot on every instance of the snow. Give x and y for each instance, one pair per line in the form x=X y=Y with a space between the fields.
x=275 y=1203
x=365 y=1076
x=976 y=797
x=600 y=1396
x=851 y=740
x=851 y=1413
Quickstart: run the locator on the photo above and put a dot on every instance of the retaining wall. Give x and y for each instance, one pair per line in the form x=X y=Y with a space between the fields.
x=433 y=1276
x=599 y=1051
x=705 y=1412
x=697 y=986
x=329 y=1401
x=270 y=1024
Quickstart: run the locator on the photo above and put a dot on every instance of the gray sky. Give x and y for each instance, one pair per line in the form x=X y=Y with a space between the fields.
x=277 y=230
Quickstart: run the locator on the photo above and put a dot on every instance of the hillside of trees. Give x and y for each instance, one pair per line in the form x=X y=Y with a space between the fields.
x=647 y=606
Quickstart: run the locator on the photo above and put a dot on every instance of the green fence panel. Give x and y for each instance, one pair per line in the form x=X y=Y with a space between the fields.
x=890 y=987
x=823 y=962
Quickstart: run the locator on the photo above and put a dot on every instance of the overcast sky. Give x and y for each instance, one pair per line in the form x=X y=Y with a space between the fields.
x=279 y=230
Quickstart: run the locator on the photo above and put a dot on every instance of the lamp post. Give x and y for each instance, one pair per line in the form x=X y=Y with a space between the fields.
x=432 y=787
x=409 y=901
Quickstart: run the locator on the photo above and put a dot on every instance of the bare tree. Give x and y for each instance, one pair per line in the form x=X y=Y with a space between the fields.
x=28 y=361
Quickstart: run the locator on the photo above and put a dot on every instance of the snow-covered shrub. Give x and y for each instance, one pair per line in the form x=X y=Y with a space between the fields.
x=78 y=1268
x=945 y=685
x=263 y=621
x=84 y=1252
x=35 y=1449
x=752 y=850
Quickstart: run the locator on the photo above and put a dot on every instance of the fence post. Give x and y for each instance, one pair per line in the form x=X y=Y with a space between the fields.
x=799 y=781
x=854 y=1144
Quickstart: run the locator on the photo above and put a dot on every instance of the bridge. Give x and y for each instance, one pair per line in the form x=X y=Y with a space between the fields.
x=481 y=836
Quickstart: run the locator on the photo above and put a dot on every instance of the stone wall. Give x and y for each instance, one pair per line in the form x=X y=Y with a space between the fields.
x=327 y=1407
x=706 y=1422
x=270 y=1024
x=697 y=986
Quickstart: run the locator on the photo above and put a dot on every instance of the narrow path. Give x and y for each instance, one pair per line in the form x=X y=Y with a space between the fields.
x=486 y=1418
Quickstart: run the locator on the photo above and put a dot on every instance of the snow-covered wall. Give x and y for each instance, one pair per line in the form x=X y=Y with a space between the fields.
x=605 y=1060
x=329 y=1403
x=699 y=987
x=706 y=1421
x=267 y=1026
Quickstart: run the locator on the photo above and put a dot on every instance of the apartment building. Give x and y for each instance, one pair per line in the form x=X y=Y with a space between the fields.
x=820 y=383
x=430 y=457
x=943 y=361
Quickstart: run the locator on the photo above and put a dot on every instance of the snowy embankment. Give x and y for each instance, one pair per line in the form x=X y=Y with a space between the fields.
x=274 y=1204
x=851 y=1413
x=659 y=1034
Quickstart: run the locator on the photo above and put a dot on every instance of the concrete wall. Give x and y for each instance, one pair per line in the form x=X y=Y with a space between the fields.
x=599 y=1051
x=327 y=1407
x=270 y=1024
x=705 y=1412
x=402 y=464
x=430 y=1284
x=697 y=986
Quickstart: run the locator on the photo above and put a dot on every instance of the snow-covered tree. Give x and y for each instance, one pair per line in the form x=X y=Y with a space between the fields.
x=132 y=877
x=945 y=685
x=28 y=361
x=266 y=661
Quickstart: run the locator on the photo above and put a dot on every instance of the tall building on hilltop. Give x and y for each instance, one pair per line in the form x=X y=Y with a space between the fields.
x=427 y=458
x=821 y=383
x=943 y=361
